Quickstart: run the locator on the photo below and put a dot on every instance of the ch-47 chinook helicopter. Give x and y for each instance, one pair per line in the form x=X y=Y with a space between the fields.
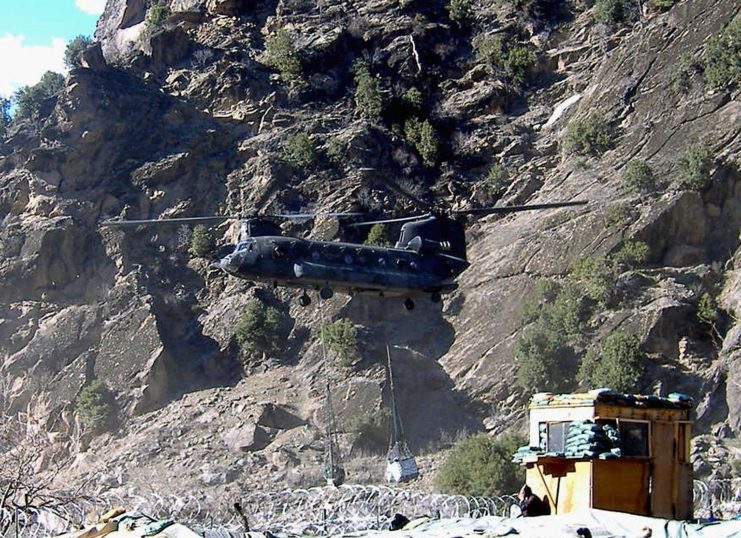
x=428 y=256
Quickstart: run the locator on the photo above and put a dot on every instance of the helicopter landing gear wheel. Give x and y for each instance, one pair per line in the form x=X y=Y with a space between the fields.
x=436 y=298
x=304 y=300
x=326 y=293
x=409 y=304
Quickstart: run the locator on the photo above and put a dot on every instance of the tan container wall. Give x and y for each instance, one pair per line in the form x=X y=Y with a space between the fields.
x=566 y=484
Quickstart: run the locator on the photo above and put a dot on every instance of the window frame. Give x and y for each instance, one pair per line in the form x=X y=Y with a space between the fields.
x=564 y=434
x=649 y=434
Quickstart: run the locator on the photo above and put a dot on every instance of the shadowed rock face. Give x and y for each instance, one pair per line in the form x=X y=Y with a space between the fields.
x=188 y=119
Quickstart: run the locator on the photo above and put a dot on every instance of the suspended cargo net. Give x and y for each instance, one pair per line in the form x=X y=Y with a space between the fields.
x=400 y=463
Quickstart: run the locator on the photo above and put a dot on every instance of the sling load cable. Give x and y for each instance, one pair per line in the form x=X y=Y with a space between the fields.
x=333 y=471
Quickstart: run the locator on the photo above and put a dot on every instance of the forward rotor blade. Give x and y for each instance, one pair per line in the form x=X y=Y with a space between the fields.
x=176 y=220
x=216 y=218
x=516 y=208
x=385 y=221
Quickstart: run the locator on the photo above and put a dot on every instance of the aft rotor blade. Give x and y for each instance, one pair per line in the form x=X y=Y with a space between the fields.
x=385 y=221
x=176 y=220
x=516 y=208
x=312 y=215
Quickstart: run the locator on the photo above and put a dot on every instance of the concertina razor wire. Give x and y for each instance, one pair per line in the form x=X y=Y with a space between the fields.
x=324 y=511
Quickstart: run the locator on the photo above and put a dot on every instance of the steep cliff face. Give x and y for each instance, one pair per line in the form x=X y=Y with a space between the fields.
x=183 y=116
x=692 y=237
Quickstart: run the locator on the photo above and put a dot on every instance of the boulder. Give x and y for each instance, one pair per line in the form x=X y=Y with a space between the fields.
x=246 y=438
x=120 y=27
x=229 y=7
x=216 y=475
x=668 y=322
x=733 y=391
x=277 y=417
x=92 y=58
x=684 y=256
x=484 y=97
x=282 y=458
x=169 y=48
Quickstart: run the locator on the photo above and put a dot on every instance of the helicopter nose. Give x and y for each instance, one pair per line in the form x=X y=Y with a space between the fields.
x=229 y=263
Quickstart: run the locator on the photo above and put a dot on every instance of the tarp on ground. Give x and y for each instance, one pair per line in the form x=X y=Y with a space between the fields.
x=601 y=524
x=133 y=525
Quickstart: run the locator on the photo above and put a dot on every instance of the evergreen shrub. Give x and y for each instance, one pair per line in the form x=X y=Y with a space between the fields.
x=30 y=98
x=259 y=328
x=481 y=466
x=722 y=66
x=617 y=366
x=638 y=177
x=340 y=337
x=201 y=243
x=300 y=151
x=95 y=408
x=74 y=49
x=695 y=165
x=591 y=136
x=281 y=54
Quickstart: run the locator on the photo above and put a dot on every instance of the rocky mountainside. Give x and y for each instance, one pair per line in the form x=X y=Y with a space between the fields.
x=199 y=107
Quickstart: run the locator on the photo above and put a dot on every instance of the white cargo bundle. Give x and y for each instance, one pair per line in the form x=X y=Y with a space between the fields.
x=401 y=470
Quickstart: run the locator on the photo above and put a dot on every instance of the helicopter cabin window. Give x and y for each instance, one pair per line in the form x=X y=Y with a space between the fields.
x=248 y=246
x=557 y=432
x=634 y=438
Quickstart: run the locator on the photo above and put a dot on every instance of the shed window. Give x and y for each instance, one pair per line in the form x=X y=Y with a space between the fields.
x=557 y=432
x=634 y=438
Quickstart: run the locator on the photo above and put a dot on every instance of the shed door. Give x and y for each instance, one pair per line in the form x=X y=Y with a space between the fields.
x=621 y=485
x=663 y=481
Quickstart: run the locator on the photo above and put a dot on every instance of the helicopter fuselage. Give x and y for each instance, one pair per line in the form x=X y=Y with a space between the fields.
x=429 y=254
x=349 y=267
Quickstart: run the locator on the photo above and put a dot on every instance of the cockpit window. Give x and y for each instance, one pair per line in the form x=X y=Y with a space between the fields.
x=248 y=246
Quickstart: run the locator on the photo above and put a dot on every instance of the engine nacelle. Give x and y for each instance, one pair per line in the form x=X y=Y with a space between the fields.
x=428 y=246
